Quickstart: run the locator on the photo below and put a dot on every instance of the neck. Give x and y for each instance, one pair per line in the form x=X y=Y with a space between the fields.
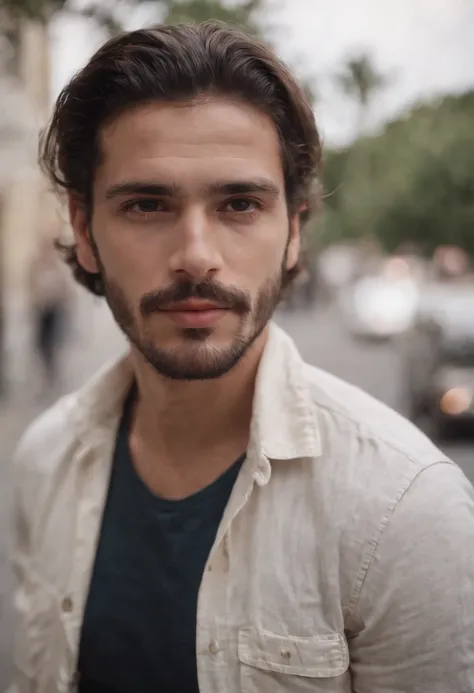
x=180 y=420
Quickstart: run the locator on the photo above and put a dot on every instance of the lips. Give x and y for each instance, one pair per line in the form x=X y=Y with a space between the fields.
x=194 y=313
x=192 y=304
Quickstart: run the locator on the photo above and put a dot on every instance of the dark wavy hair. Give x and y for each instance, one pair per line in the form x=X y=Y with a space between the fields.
x=176 y=63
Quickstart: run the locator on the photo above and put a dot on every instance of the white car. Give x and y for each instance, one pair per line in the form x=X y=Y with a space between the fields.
x=379 y=307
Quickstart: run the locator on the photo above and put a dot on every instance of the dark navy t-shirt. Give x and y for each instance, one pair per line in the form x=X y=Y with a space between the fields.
x=139 y=631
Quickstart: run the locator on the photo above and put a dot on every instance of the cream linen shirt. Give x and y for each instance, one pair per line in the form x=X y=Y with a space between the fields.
x=344 y=560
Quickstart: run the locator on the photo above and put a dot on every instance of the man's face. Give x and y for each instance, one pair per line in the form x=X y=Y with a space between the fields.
x=190 y=230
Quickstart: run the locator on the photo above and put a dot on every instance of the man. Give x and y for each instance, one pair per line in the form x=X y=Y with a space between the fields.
x=211 y=514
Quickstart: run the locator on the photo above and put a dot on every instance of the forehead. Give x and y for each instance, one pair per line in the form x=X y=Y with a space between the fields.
x=190 y=143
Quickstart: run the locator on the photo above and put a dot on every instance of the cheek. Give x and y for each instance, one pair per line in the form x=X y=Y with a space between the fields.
x=258 y=254
x=127 y=258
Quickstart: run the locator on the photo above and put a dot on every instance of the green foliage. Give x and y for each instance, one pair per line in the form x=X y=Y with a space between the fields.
x=173 y=11
x=107 y=15
x=413 y=182
x=196 y=11
x=31 y=9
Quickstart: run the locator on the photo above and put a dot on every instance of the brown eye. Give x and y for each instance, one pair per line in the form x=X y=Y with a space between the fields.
x=241 y=205
x=144 y=207
x=147 y=206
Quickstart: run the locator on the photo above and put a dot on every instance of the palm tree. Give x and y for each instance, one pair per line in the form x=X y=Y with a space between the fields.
x=360 y=80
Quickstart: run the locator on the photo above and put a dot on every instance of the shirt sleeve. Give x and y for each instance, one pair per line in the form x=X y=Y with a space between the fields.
x=416 y=605
x=20 y=559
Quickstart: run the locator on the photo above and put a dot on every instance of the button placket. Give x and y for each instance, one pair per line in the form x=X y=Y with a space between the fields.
x=212 y=617
x=92 y=497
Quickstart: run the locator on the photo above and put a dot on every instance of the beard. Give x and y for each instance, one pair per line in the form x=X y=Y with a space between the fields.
x=195 y=357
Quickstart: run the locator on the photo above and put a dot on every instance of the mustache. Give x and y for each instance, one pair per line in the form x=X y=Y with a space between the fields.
x=228 y=297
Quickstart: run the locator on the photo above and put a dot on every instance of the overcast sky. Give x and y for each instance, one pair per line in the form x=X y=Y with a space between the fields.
x=425 y=46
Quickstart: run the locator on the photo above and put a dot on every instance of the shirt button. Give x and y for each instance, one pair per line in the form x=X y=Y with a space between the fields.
x=214 y=647
x=285 y=654
x=67 y=605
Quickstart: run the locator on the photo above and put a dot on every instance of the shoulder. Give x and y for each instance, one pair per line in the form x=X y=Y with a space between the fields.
x=42 y=463
x=348 y=416
x=373 y=459
x=380 y=477
x=75 y=417
x=48 y=442
x=50 y=446
x=47 y=436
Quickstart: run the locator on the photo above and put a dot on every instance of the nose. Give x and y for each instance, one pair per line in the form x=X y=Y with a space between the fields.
x=196 y=256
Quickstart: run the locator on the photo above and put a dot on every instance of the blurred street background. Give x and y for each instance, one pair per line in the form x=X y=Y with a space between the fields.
x=386 y=299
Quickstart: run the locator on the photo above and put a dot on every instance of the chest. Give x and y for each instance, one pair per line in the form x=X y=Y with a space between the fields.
x=271 y=609
x=139 y=628
x=269 y=603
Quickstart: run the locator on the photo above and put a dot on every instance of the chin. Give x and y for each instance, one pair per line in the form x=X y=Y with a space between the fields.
x=192 y=367
x=211 y=337
x=197 y=334
x=196 y=358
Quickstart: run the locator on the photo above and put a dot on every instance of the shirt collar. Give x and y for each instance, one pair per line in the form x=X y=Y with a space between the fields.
x=284 y=421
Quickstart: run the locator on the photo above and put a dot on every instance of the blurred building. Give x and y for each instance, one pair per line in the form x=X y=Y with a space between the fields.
x=27 y=209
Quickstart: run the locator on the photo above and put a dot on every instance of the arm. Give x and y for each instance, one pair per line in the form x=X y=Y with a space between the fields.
x=18 y=602
x=21 y=559
x=416 y=604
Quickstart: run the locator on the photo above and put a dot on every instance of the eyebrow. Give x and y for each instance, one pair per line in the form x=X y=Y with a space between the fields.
x=130 y=187
x=259 y=185
x=243 y=187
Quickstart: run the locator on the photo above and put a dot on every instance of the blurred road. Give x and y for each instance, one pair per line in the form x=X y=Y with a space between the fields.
x=322 y=339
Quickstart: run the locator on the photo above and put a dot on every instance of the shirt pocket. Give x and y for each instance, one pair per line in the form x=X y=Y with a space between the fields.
x=272 y=663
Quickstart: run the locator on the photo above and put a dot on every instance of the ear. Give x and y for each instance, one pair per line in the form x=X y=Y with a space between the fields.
x=294 y=242
x=80 y=226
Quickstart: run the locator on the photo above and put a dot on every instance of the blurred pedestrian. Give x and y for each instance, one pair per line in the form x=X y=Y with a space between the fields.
x=210 y=513
x=49 y=288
